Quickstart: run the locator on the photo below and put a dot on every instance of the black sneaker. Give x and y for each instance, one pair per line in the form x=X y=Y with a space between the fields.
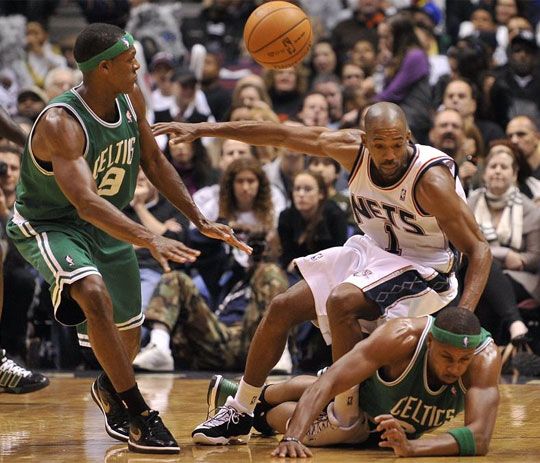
x=228 y=426
x=148 y=434
x=18 y=380
x=114 y=412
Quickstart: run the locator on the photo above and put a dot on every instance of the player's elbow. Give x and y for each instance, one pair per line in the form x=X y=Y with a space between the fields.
x=86 y=208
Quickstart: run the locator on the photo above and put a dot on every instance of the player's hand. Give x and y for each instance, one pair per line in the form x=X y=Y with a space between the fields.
x=393 y=436
x=225 y=233
x=179 y=132
x=165 y=250
x=291 y=449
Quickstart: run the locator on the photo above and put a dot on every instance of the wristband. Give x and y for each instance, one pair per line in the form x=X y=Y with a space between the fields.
x=290 y=439
x=465 y=439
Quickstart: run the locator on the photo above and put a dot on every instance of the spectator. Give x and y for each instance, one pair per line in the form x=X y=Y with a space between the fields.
x=351 y=74
x=41 y=55
x=516 y=89
x=163 y=97
x=329 y=170
x=523 y=133
x=510 y=222
x=159 y=216
x=251 y=96
x=191 y=104
x=364 y=53
x=156 y=27
x=407 y=78
x=330 y=87
x=314 y=110
x=59 y=80
x=312 y=223
x=218 y=97
x=192 y=163
x=323 y=60
x=462 y=96
x=30 y=102
x=246 y=203
x=448 y=135
x=282 y=170
x=219 y=26
x=185 y=331
x=367 y=15
x=286 y=88
x=207 y=198
x=18 y=276
x=518 y=24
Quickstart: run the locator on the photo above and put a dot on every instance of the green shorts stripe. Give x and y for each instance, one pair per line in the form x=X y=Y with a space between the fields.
x=138 y=320
x=65 y=252
x=61 y=276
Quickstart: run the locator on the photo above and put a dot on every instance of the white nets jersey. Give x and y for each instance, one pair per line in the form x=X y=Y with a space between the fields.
x=392 y=218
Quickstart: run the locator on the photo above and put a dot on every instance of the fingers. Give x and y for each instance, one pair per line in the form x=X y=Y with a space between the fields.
x=233 y=241
x=161 y=128
x=164 y=264
x=292 y=450
x=181 y=253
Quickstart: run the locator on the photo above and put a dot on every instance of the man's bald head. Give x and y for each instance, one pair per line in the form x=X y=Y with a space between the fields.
x=385 y=114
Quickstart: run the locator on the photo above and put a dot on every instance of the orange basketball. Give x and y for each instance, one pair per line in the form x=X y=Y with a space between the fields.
x=278 y=35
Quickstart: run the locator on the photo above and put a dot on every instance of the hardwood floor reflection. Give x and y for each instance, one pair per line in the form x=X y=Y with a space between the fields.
x=62 y=424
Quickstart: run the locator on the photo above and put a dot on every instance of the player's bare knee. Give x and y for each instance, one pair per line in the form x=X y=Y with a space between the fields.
x=92 y=296
x=343 y=304
x=280 y=312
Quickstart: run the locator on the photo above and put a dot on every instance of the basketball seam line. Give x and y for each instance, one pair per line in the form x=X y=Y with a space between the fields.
x=280 y=36
x=261 y=20
x=307 y=44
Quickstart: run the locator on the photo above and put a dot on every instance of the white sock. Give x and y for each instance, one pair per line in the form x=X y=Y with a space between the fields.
x=247 y=396
x=346 y=406
x=161 y=338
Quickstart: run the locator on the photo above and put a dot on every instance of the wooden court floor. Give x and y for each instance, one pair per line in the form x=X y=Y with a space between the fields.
x=62 y=424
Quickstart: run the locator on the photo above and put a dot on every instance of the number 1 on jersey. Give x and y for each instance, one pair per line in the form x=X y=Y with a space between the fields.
x=393 y=243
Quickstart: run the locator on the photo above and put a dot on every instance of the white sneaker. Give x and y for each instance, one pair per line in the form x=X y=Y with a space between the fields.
x=284 y=365
x=152 y=358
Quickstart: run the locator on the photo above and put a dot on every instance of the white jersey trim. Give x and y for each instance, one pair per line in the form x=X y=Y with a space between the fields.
x=109 y=125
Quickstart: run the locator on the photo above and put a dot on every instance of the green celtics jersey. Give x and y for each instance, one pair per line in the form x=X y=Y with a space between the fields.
x=112 y=152
x=409 y=398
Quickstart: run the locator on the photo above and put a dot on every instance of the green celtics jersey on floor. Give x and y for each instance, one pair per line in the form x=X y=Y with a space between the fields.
x=409 y=398
x=112 y=152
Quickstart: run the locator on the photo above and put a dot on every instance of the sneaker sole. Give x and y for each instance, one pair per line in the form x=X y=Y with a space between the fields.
x=146 y=449
x=203 y=439
x=111 y=432
x=213 y=390
x=24 y=389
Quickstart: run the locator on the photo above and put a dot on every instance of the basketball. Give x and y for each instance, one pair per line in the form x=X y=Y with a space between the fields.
x=278 y=35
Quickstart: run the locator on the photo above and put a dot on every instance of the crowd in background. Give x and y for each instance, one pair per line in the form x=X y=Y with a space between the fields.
x=465 y=72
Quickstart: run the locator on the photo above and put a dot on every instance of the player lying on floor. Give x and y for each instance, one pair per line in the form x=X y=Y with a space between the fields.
x=411 y=376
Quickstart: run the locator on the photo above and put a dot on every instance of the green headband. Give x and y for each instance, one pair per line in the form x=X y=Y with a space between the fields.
x=123 y=44
x=461 y=341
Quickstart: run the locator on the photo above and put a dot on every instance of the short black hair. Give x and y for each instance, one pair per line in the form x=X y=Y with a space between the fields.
x=458 y=320
x=94 y=39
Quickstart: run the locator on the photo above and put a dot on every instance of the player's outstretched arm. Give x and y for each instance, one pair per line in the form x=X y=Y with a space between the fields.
x=383 y=347
x=10 y=130
x=165 y=178
x=342 y=145
x=435 y=193
x=58 y=138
